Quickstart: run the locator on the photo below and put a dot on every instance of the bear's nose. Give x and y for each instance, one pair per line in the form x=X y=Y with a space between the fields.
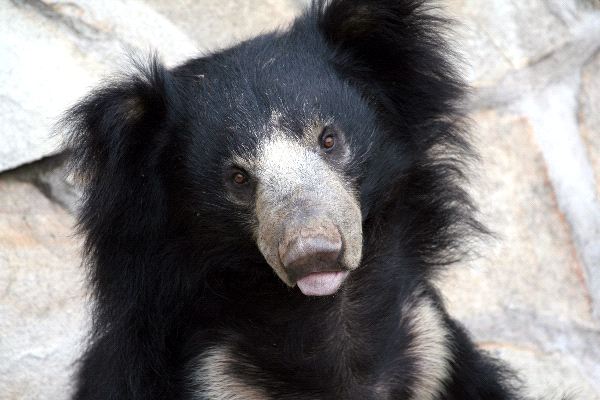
x=308 y=250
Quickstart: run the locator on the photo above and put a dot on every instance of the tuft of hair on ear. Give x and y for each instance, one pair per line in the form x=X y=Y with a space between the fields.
x=117 y=119
x=397 y=53
x=115 y=137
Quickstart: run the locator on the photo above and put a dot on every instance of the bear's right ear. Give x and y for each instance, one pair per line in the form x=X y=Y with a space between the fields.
x=117 y=127
x=116 y=137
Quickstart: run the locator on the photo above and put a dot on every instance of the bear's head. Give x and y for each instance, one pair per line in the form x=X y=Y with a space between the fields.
x=299 y=147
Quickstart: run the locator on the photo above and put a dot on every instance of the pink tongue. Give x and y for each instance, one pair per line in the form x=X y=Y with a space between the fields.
x=322 y=283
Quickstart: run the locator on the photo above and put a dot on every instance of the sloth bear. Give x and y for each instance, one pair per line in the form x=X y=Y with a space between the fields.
x=264 y=222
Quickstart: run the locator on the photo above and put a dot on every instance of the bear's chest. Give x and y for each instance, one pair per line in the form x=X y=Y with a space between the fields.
x=219 y=375
x=423 y=365
x=222 y=376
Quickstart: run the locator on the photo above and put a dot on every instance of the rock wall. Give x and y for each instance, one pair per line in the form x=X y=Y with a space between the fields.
x=533 y=295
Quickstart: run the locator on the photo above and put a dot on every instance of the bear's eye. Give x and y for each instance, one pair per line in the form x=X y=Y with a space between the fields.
x=239 y=184
x=239 y=178
x=328 y=139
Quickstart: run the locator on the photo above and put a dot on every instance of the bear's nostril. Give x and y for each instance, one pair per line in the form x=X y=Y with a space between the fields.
x=308 y=251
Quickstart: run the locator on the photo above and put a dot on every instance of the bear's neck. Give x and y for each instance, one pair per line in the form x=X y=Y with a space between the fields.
x=335 y=337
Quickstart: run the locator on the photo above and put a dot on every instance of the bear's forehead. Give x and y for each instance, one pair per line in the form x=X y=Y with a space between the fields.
x=292 y=102
x=278 y=145
x=249 y=95
x=276 y=72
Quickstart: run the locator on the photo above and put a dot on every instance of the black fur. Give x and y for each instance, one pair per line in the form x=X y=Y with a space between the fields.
x=172 y=263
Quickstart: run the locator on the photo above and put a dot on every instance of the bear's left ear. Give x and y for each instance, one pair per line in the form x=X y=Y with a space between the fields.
x=395 y=51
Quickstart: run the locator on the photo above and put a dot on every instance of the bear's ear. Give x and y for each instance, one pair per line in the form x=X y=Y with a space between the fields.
x=116 y=136
x=395 y=51
x=117 y=126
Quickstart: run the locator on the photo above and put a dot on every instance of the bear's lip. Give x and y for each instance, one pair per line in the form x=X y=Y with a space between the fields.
x=322 y=283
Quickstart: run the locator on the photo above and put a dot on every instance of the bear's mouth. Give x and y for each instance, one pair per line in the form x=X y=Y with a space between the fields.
x=312 y=256
x=322 y=283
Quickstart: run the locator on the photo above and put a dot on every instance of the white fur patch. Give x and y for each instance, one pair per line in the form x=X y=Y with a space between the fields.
x=292 y=175
x=216 y=382
x=292 y=172
x=430 y=348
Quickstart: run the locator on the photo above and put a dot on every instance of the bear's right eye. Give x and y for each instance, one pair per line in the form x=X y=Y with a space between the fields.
x=239 y=184
x=239 y=178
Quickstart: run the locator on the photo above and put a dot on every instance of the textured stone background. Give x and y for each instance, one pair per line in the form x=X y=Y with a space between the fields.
x=532 y=298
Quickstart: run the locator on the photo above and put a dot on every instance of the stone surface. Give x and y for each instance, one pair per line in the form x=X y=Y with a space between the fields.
x=527 y=57
x=553 y=114
x=511 y=47
x=215 y=24
x=589 y=113
x=589 y=124
x=42 y=318
x=53 y=52
x=508 y=35
x=40 y=75
x=52 y=177
x=527 y=290
x=532 y=251
x=548 y=375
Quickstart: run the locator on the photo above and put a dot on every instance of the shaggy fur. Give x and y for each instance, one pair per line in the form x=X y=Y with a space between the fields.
x=186 y=307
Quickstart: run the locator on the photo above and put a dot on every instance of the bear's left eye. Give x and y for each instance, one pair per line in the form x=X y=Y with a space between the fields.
x=329 y=142
x=328 y=139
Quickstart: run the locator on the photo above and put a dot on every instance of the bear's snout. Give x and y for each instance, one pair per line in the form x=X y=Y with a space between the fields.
x=311 y=257
x=309 y=224
x=307 y=250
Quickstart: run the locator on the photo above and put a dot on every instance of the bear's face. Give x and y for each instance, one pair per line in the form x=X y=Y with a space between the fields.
x=298 y=148
x=288 y=157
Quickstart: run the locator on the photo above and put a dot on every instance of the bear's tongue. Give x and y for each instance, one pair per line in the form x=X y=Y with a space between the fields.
x=321 y=283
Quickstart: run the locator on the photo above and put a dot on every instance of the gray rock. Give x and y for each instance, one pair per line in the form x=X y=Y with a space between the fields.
x=589 y=127
x=39 y=76
x=528 y=288
x=504 y=38
x=547 y=375
x=53 y=52
x=526 y=57
x=562 y=64
x=215 y=24
x=42 y=318
x=52 y=177
x=589 y=113
x=533 y=257
x=553 y=115
x=59 y=186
